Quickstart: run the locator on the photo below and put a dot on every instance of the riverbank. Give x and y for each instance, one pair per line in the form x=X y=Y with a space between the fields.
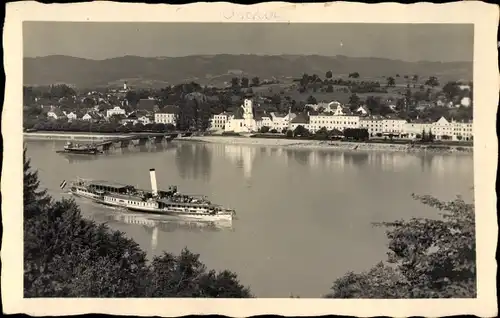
x=270 y=142
x=334 y=145
x=70 y=136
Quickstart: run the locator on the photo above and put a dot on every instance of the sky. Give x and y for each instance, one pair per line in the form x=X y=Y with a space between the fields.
x=102 y=40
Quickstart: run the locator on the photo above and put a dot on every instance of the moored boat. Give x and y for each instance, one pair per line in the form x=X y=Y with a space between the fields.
x=167 y=202
x=75 y=148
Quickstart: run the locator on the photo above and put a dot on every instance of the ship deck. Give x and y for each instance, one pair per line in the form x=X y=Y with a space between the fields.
x=109 y=184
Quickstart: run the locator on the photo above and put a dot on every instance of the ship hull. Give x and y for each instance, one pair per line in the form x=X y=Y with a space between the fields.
x=152 y=209
x=80 y=152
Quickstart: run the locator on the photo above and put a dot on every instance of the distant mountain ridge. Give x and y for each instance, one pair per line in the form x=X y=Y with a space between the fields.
x=213 y=69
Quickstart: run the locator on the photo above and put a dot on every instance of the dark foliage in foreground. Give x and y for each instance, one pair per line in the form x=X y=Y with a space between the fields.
x=68 y=256
x=428 y=258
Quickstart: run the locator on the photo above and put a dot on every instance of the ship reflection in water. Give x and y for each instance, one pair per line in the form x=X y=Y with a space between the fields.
x=158 y=223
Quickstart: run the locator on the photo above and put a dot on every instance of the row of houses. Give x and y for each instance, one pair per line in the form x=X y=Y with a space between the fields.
x=166 y=115
x=336 y=116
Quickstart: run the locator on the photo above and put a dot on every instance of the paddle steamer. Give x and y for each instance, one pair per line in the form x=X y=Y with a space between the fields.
x=169 y=202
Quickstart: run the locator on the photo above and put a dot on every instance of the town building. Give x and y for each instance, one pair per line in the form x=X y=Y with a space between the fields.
x=115 y=111
x=218 y=122
x=280 y=121
x=91 y=116
x=71 y=115
x=374 y=125
x=393 y=126
x=414 y=129
x=444 y=129
x=55 y=113
x=331 y=121
x=246 y=122
x=363 y=110
x=167 y=115
x=301 y=119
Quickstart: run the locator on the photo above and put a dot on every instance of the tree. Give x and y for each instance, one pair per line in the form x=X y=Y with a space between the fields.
x=245 y=82
x=354 y=101
x=430 y=136
x=432 y=81
x=329 y=89
x=451 y=90
x=354 y=75
x=264 y=129
x=424 y=135
x=301 y=131
x=428 y=258
x=235 y=82
x=328 y=74
x=186 y=117
x=34 y=199
x=391 y=82
x=312 y=100
x=132 y=98
x=289 y=134
x=255 y=81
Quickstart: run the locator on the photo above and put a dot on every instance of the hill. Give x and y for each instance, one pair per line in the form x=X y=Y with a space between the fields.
x=217 y=69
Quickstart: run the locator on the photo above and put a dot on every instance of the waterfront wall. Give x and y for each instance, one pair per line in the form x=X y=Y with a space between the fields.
x=70 y=136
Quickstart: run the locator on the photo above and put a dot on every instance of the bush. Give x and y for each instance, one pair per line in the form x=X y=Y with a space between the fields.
x=428 y=258
x=230 y=133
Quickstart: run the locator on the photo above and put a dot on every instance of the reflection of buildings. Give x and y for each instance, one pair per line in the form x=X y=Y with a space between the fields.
x=391 y=161
x=242 y=156
x=193 y=161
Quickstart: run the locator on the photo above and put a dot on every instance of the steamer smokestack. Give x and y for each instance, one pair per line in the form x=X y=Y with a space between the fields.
x=154 y=188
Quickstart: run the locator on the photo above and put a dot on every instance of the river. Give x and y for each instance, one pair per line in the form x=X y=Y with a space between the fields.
x=304 y=216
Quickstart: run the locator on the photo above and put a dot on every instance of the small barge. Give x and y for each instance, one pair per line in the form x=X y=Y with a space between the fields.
x=75 y=148
x=169 y=202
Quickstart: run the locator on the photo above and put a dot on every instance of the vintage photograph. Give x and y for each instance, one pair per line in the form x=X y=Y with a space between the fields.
x=339 y=166
x=322 y=161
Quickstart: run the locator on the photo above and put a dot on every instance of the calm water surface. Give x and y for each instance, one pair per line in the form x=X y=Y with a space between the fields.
x=304 y=216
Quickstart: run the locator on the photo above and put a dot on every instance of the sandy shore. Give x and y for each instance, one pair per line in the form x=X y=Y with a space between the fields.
x=334 y=145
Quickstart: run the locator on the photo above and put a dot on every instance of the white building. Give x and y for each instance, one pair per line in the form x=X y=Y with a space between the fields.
x=115 y=111
x=327 y=107
x=413 y=130
x=168 y=115
x=249 y=123
x=145 y=120
x=300 y=120
x=90 y=117
x=245 y=123
x=331 y=121
x=375 y=126
x=362 y=110
x=280 y=122
x=444 y=129
x=266 y=121
x=55 y=114
x=393 y=126
x=219 y=121
x=71 y=115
